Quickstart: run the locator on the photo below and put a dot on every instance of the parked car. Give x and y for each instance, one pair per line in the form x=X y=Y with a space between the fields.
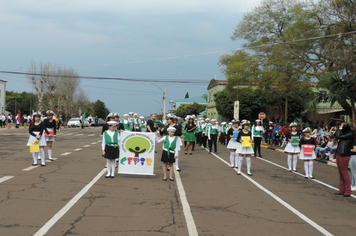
x=73 y=122
x=101 y=122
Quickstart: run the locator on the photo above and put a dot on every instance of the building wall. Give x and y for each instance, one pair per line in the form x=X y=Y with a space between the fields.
x=212 y=113
x=2 y=96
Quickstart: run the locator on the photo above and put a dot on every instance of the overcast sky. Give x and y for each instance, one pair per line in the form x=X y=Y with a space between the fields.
x=151 y=39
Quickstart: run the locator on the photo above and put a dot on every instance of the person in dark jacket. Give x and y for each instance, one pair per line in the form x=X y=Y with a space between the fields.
x=343 y=151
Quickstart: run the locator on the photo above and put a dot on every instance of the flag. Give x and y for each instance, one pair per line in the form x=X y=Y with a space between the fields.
x=18 y=118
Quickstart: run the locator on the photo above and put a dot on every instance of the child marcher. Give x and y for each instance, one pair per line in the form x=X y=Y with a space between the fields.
x=246 y=148
x=233 y=144
x=171 y=148
x=308 y=156
x=36 y=129
x=50 y=133
x=257 y=131
x=110 y=148
x=213 y=131
x=292 y=148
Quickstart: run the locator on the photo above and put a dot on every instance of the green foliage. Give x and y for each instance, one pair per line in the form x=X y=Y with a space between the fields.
x=251 y=103
x=189 y=109
x=99 y=109
x=224 y=105
x=186 y=95
x=25 y=102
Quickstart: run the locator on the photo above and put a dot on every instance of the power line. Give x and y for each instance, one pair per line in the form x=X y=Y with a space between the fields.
x=109 y=78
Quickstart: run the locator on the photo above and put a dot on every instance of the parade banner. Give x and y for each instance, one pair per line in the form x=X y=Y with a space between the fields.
x=137 y=151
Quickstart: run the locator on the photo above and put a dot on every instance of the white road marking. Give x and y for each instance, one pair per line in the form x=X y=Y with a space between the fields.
x=93 y=143
x=285 y=204
x=51 y=161
x=78 y=149
x=30 y=168
x=66 y=153
x=66 y=208
x=297 y=173
x=78 y=134
x=3 y=179
x=91 y=135
x=69 y=134
x=192 y=229
x=99 y=141
x=86 y=146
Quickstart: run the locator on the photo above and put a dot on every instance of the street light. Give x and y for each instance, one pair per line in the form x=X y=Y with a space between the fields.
x=164 y=98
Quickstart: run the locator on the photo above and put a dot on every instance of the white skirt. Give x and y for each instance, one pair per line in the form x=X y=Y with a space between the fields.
x=48 y=138
x=302 y=157
x=41 y=142
x=245 y=150
x=233 y=144
x=292 y=149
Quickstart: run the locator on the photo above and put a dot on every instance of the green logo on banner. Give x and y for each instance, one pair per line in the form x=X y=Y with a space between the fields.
x=137 y=145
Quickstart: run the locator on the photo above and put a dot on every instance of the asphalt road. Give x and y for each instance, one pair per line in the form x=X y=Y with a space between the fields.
x=271 y=202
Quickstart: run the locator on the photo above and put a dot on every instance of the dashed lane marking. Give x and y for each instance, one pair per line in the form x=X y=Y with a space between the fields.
x=78 y=134
x=51 y=161
x=93 y=143
x=66 y=153
x=91 y=135
x=86 y=146
x=3 y=179
x=30 y=168
x=78 y=149
x=66 y=208
x=285 y=204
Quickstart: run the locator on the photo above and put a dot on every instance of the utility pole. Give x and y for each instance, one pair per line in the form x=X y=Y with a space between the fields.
x=164 y=101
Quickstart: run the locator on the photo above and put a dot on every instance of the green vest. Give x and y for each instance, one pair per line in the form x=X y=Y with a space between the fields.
x=213 y=131
x=167 y=146
x=256 y=133
x=198 y=129
x=126 y=126
x=109 y=141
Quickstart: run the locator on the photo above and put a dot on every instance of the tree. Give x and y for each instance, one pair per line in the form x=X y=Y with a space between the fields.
x=189 y=109
x=186 y=95
x=224 y=105
x=100 y=109
x=25 y=102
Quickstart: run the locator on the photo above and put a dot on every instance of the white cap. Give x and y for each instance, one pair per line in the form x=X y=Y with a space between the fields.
x=131 y=113
x=142 y=117
x=116 y=114
x=223 y=123
x=230 y=123
x=112 y=123
x=271 y=122
x=213 y=120
x=126 y=115
x=207 y=119
x=171 y=129
x=135 y=114
x=258 y=120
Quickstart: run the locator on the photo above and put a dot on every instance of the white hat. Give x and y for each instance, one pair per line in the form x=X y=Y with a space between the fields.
x=207 y=119
x=223 y=123
x=131 y=113
x=142 y=117
x=116 y=115
x=258 y=120
x=171 y=129
x=135 y=114
x=49 y=112
x=112 y=123
x=169 y=115
x=126 y=115
x=271 y=122
x=36 y=113
x=230 y=123
x=293 y=124
x=245 y=122
x=111 y=115
x=192 y=115
x=213 y=120
x=307 y=130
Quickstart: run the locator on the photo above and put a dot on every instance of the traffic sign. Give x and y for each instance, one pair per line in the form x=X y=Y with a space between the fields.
x=262 y=115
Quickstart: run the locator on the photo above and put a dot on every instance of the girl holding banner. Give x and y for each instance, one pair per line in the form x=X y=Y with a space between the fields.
x=233 y=144
x=307 y=153
x=110 y=148
x=246 y=148
x=292 y=148
x=50 y=133
x=36 y=130
x=171 y=148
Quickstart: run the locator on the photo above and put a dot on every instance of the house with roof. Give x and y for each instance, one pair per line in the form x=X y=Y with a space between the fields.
x=214 y=87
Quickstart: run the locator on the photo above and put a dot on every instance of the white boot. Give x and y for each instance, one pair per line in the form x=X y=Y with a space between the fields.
x=289 y=161
x=43 y=156
x=311 y=165
x=232 y=157
x=248 y=164
x=306 y=169
x=50 y=154
x=295 y=161
x=35 y=156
